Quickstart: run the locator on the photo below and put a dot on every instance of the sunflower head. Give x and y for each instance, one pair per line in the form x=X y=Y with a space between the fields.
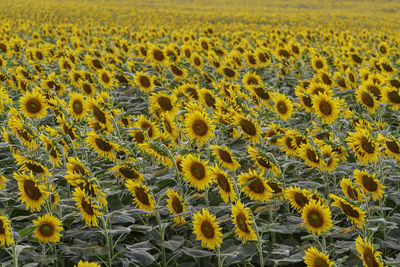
x=317 y=217
x=196 y=171
x=176 y=206
x=48 y=228
x=33 y=104
x=207 y=229
x=368 y=254
x=255 y=186
x=6 y=238
x=315 y=258
x=141 y=196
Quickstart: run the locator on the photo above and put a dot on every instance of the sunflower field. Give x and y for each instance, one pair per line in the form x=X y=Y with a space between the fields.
x=199 y=133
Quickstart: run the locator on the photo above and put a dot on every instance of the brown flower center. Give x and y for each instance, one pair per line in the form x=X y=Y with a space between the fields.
x=103 y=145
x=207 y=229
x=369 y=258
x=367 y=146
x=223 y=182
x=312 y=156
x=369 y=183
x=158 y=55
x=394 y=97
x=128 y=172
x=325 y=107
x=144 y=81
x=198 y=170
x=229 y=72
x=210 y=100
x=32 y=190
x=177 y=205
x=77 y=106
x=260 y=92
x=352 y=193
x=87 y=207
x=248 y=127
x=349 y=211
x=319 y=64
x=142 y=196
x=33 y=105
x=98 y=114
x=2 y=228
x=282 y=107
x=225 y=156
x=315 y=219
x=46 y=229
x=176 y=70
x=320 y=262
x=242 y=223
x=300 y=199
x=256 y=186
x=105 y=78
x=199 y=127
x=36 y=168
x=393 y=146
x=165 y=103
x=307 y=101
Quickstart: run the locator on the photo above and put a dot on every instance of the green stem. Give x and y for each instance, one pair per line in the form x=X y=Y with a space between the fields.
x=324 y=243
x=14 y=255
x=161 y=231
x=220 y=262
x=259 y=246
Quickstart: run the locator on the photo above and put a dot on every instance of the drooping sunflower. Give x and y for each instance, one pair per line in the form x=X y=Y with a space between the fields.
x=365 y=148
x=87 y=207
x=208 y=98
x=75 y=170
x=179 y=73
x=54 y=154
x=142 y=198
x=310 y=156
x=127 y=171
x=263 y=163
x=248 y=126
x=225 y=157
x=77 y=105
x=6 y=238
x=33 y=104
x=369 y=256
x=199 y=127
x=224 y=183
x=350 y=191
x=283 y=106
x=176 y=206
x=391 y=96
x=157 y=55
x=277 y=189
x=147 y=126
x=196 y=171
x=392 y=147
x=366 y=99
x=315 y=258
x=31 y=192
x=298 y=197
x=241 y=218
x=330 y=157
x=326 y=108
x=144 y=81
x=87 y=264
x=288 y=142
x=48 y=229
x=102 y=116
x=169 y=126
x=103 y=147
x=207 y=229
x=162 y=104
x=229 y=73
x=3 y=181
x=316 y=88
x=369 y=184
x=158 y=151
x=251 y=79
x=317 y=217
x=254 y=186
x=355 y=214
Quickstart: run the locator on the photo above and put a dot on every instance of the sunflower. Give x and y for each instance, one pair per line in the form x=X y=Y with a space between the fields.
x=141 y=196
x=225 y=157
x=251 y=79
x=386 y=66
x=33 y=104
x=288 y=142
x=179 y=73
x=255 y=186
x=127 y=171
x=91 y=188
x=31 y=192
x=391 y=96
x=54 y=155
x=283 y=106
x=298 y=197
x=263 y=163
x=355 y=214
x=197 y=61
x=383 y=48
x=368 y=255
x=162 y=104
x=311 y=156
x=31 y=165
x=144 y=81
x=87 y=207
x=48 y=229
x=229 y=73
x=318 y=62
x=103 y=117
x=350 y=191
x=317 y=217
x=87 y=264
x=369 y=183
x=392 y=147
x=158 y=151
x=277 y=189
x=3 y=181
x=87 y=88
x=316 y=88
x=208 y=98
x=199 y=126
x=77 y=106
x=176 y=206
x=242 y=222
x=248 y=126
x=366 y=99
x=315 y=258
x=196 y=171
x=148 y=126
x=207 y=229
x=326 y=108
x=103 y=147
x=6 y=238
x=224 y=183
x=75 y=170
x=169 y=126
x=365 y=148
x=105 y=78
x=157 y=55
